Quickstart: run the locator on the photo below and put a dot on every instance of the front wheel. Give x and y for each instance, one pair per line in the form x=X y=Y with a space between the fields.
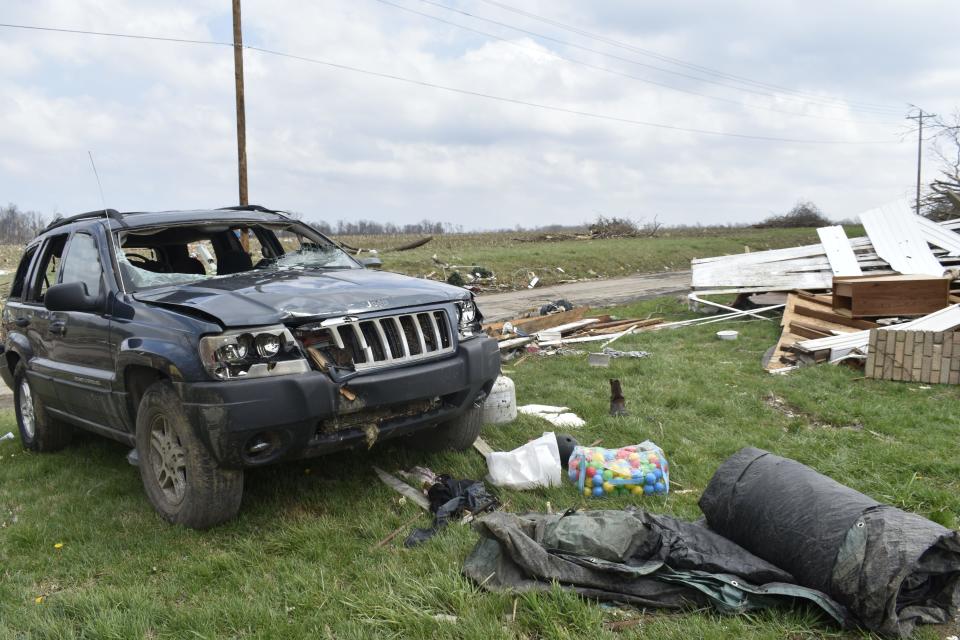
x=458 y=434
x=182 y=481
x=38 y=430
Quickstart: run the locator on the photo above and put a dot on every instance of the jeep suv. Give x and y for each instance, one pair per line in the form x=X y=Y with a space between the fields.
x=212 y=341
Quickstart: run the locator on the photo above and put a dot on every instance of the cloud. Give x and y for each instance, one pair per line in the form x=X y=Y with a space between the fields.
x=338 y=144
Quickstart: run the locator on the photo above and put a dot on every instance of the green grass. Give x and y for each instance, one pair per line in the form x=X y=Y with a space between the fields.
x=298 y=561
x=512 y=260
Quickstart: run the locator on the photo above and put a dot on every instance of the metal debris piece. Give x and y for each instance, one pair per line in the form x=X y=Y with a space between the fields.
x=598 y=359
x=613 y=353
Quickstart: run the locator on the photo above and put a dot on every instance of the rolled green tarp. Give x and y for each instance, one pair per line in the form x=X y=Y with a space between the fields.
x=891 y=569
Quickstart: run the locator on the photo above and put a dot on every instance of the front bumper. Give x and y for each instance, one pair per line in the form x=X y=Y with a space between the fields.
x=308 y=415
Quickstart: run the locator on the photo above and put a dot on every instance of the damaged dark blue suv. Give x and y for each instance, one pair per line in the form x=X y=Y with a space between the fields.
x=216 y=340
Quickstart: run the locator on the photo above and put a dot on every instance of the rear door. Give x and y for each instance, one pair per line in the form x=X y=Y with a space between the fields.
x=33 y=319
x=80 y=348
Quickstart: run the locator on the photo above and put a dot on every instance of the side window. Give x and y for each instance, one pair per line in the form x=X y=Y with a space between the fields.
x=82 y=263
x=16 y=289
x=45 y=275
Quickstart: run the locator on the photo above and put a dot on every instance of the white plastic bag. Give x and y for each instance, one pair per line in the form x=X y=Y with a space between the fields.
x=535 y=464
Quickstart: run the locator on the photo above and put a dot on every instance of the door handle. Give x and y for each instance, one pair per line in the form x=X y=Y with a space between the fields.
x=22 y=321
x=58 y=327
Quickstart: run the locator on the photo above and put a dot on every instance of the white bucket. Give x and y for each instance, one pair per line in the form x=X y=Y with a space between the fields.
x=727 y=335
x=501 y=405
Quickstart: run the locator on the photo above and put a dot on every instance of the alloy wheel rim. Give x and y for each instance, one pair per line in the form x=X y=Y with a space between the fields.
x=168 y=460
x=27 y=415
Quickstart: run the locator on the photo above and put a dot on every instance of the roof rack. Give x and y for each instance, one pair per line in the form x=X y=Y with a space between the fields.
x=99 y=213
x=254 y=207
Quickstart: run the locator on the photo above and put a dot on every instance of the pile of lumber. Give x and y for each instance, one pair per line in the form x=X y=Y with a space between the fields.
x=809 y=316
x=563 y=328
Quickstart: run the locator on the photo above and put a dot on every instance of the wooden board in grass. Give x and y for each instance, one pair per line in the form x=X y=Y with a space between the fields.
x=537 y=323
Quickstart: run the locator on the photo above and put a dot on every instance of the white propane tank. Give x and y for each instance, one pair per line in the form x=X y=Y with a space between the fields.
x=501 y=405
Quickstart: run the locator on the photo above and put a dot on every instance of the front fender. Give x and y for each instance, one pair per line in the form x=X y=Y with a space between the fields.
x=175 y=360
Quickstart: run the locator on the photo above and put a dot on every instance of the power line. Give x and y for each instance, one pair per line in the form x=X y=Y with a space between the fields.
x=589 y=65
x=677 y=61
x=567 y=43
x=467 y=92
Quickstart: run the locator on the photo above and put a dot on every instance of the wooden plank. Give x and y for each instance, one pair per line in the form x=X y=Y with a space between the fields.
x=833 y=318
x=481 y=445
x=513 y=343
x=843 y=262
x=554 y=333
x=875 y=296
x=403 y=488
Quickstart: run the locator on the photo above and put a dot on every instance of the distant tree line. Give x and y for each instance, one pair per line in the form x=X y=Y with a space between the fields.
x=372 y=228
x=19 y=227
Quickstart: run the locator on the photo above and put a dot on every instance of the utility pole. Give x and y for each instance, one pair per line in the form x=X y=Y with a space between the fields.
x=241 y=109
x=919 y=118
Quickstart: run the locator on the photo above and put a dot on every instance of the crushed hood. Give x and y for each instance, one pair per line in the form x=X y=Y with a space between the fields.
x=269 y=297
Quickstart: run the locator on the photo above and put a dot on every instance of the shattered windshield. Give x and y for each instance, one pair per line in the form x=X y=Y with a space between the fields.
x=180 y=254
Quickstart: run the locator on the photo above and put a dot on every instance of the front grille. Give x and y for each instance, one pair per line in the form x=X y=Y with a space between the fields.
x=393 y=340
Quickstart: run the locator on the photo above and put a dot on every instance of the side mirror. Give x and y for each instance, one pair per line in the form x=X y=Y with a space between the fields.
x=70 y=296
x=371 y=263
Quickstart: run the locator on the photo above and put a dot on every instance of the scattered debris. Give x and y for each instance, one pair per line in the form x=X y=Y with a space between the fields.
x=532 y=465
x=450 y=498
x=618 y=404
x=613 y=353
x=557 y=416
x=500 y=406
x=598 y=360
x=6 y=436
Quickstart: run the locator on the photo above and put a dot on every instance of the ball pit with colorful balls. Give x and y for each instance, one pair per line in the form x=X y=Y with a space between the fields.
x=635 y=470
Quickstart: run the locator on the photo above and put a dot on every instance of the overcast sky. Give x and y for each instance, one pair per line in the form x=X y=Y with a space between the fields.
x=339 y=144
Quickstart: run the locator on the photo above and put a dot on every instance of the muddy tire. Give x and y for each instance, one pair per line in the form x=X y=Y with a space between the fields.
x=39 y=431
x=458 y=434
x=182 y=481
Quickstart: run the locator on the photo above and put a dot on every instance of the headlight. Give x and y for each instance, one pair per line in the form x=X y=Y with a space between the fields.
x=469 y=325
x=252 y=353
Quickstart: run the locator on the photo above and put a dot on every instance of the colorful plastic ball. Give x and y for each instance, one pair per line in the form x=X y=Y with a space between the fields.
x=608 y=455
x=636 y=490
x=650 y=478
x=648 y=489
x=587 y=491
x=658 y=473
x=573 y=462
x=635 y=463
x=608 y=487
x=660 y=487
x=607 y=474
x=572 y=474
x=591 y=471
x=597 y=492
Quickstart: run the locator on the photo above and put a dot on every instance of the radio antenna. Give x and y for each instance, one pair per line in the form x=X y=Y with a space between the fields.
x=106 y=215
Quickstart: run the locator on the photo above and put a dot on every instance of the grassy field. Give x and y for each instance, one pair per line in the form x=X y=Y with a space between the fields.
x=298 y=562
x=512 y=260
